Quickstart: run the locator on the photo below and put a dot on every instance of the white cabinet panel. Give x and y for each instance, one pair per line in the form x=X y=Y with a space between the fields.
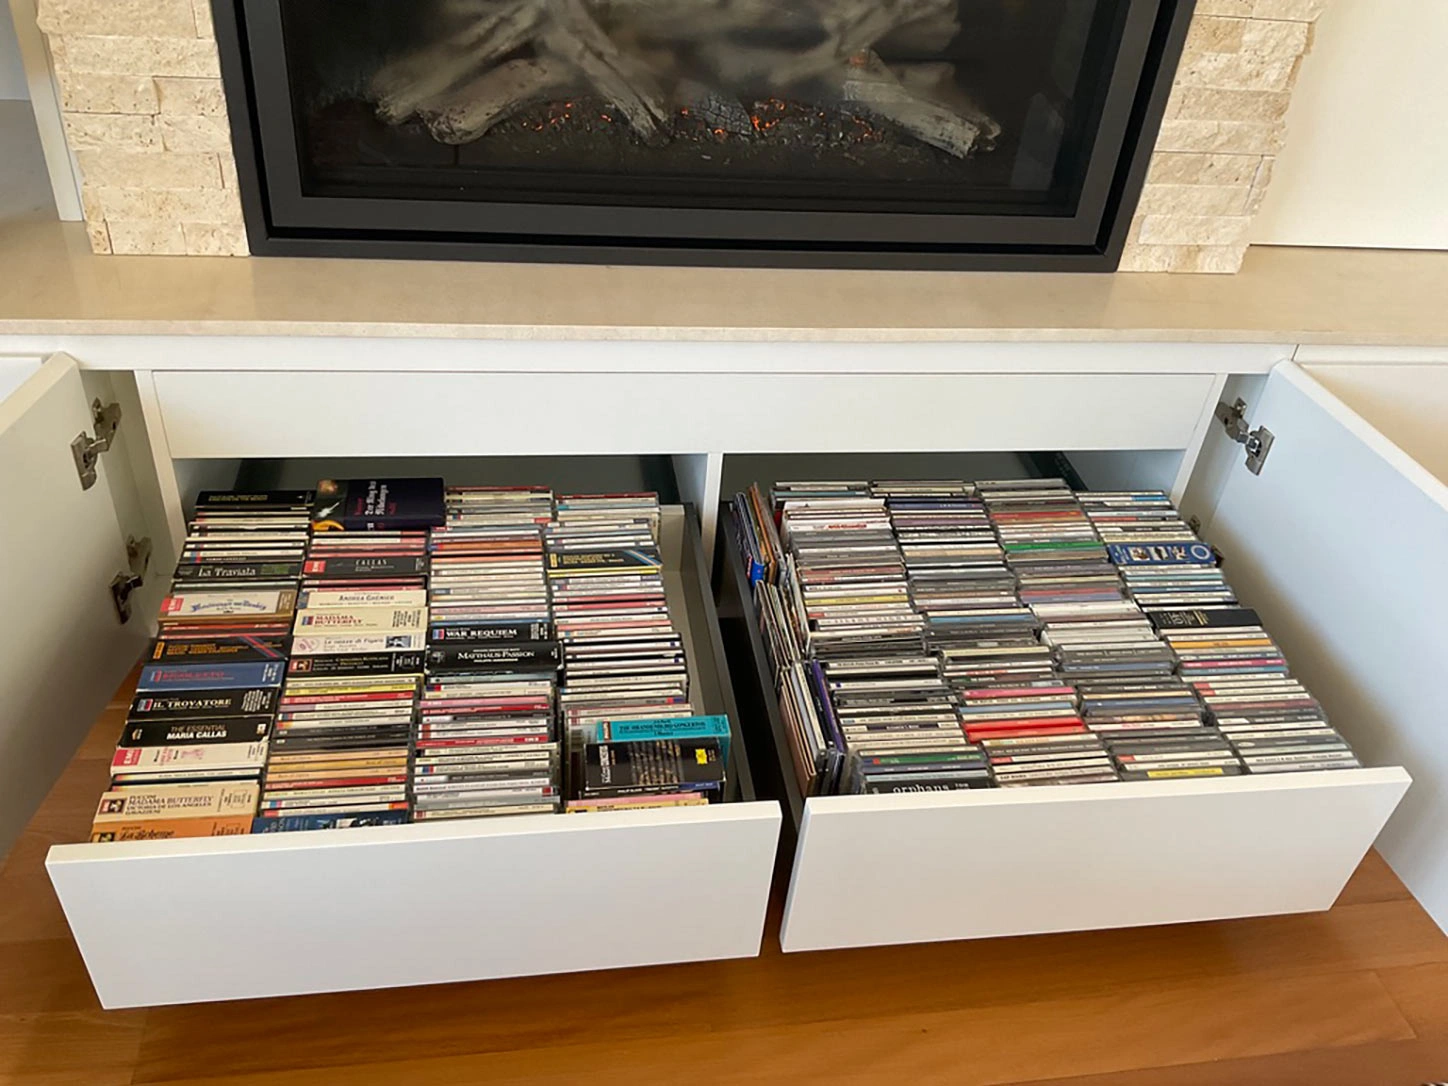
x=15 y=370
x=1340 y=543
x=1407 y=404
x=300 y=413
x=65 y=650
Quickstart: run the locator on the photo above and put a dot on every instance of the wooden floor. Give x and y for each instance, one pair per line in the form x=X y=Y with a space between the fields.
x=1357 y=995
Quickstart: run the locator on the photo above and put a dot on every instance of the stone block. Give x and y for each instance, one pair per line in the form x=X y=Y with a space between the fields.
x=113 y=131
x=85 y=92
x=122 y=18
x=149 y=170
x=1222 y=137
x=1213 y=34
x=1275 y=39
x=1210 y=200
x=201 y=9
x=1304 y=11
x=136 y=56
x=180 y=132
x=90 y=203
x=193 y=96
x=1187 y=168
x=146 y=238
x=175 y=205
x=1194 y=229
x=1215 y=259
x=1220 y=104
x=1259 y=185
x=1235 y=9
x=1237 y=71
x=99 y=235
x=206 y=240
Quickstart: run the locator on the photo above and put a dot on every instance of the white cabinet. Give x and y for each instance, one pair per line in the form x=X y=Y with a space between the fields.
x=1339 y=542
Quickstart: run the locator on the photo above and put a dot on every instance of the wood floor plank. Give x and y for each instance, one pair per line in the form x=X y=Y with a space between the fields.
x=1393 y=1063
x=82 y=1046
x=1373 y=881
x=788 y=989
x=971 y=1047
x=1421 y=993
x=44 y=975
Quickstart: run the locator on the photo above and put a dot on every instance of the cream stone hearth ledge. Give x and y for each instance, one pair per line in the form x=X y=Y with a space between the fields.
x=55 y=286
x=140 y=84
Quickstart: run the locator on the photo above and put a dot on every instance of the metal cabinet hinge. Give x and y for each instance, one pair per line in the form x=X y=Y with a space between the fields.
x=138 y=558
x=1258 y=441
x=87 y=450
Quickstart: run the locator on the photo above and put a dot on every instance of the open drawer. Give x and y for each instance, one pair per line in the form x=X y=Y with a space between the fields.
x=906 y=868
x=278 y=914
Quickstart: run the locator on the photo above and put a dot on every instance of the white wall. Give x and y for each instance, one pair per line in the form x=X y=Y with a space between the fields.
x=1366 y=163
x=12 y=72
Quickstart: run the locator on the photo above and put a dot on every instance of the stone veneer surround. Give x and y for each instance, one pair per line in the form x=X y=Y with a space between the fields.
x=140 y=88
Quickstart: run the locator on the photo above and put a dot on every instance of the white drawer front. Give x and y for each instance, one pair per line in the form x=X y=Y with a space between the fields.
x=302 y=413
x=873 y=870
x=242 y=917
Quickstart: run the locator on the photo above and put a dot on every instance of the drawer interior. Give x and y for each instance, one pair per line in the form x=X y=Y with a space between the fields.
x=686 y=572
x=565 y=474
x=749 y=659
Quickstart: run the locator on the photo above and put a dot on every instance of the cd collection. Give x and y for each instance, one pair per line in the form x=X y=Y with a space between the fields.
x=941 y=635
x=392 y=650
x=385 y=651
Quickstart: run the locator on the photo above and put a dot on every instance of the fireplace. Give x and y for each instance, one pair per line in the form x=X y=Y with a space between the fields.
x=984 y=134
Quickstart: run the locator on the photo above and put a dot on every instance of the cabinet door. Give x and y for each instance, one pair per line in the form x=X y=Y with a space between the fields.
x=1342 y=543
x=65 y=648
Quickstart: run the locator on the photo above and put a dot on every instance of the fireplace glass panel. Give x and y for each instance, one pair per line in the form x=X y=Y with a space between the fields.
x=937 y=106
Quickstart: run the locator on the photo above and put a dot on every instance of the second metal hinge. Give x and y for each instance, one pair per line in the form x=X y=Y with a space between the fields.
x=1258 y=442
x=138 y=558
x=87 y=450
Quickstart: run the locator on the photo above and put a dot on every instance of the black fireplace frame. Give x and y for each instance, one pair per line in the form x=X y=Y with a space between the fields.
x=282 y=221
